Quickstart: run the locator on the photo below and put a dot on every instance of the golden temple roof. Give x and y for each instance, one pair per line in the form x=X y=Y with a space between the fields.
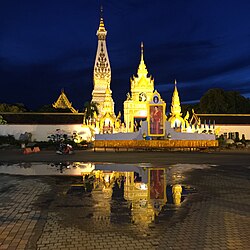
x=63 y=103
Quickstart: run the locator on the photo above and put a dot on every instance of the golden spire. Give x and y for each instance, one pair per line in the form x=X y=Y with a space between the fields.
x=142 y=70
x=142 y=51
x=175 y=118
x=102 y=70
x=175 y=105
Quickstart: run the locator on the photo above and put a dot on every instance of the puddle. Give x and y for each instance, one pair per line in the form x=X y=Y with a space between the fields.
x=120 y=193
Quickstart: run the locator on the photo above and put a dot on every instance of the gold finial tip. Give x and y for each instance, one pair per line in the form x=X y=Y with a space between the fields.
x=175 y=82
x=142 y=49
x=101 y=13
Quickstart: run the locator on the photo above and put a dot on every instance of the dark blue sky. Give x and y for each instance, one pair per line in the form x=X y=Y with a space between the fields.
x=49 y=45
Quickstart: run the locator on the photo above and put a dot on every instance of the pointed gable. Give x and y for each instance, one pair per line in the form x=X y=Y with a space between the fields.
x=63 y=103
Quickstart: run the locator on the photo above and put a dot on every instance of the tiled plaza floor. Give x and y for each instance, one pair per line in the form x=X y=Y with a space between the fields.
x=39 y=213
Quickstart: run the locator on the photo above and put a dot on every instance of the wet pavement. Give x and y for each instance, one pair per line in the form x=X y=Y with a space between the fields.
x=116 y=211
x=221 y=157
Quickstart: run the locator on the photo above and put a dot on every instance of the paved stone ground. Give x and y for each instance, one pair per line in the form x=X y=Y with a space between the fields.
x=17 y=212
x=40 y=213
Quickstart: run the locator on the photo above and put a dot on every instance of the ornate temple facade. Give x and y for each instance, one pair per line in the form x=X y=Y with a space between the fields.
x=142 y=88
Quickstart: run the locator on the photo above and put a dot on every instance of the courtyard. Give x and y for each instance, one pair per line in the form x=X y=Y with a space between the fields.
x=52 y=212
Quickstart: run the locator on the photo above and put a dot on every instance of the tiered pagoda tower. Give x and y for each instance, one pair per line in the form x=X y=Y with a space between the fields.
x=102 y=74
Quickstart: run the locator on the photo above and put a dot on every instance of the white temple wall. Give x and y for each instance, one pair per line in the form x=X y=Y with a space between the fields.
x=242 y=129
x=41 y=132
x=187 y=136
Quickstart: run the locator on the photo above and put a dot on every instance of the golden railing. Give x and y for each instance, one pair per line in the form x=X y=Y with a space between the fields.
x=155 y=144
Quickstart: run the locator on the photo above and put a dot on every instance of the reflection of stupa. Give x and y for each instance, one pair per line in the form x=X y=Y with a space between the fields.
x=144 y=209
x=137 y=194
x=135 y=189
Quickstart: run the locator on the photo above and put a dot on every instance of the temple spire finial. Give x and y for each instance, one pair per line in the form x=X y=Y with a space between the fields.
x=141 y=51
x=175 y=82
x=142 y=70
x=101 y=12
x=101 y=26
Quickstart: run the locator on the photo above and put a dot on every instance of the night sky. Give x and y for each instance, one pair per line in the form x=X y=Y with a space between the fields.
x=49 y=45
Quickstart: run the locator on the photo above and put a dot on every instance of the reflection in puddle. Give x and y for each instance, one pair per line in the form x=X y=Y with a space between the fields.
x=57 y=168
x=124 y=193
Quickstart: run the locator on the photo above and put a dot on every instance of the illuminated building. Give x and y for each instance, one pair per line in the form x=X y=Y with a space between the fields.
x=136 y=106
x=142 y=88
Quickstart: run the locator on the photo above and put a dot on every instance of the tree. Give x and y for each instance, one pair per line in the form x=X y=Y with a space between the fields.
x=237 y=104
x=90 y=110
x=189 y=107
x=218 y=101
x=15 y=108
x=214 y=101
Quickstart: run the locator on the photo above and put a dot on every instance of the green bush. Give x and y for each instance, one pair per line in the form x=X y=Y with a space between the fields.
x=9 y=139
x=2 y=121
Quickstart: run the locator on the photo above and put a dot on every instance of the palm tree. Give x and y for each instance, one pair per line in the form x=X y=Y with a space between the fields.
x=90 y=111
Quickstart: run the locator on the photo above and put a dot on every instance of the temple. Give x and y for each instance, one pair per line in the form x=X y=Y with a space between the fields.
x=142 y=88
x=140 y=104
x=144 y=116
x=143 y=102
x=64 y=103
